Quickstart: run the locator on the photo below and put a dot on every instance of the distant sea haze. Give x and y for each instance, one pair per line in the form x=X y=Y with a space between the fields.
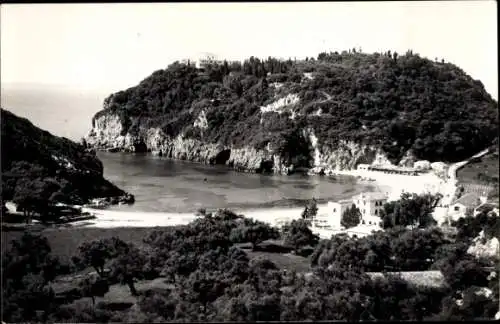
x=62 y=112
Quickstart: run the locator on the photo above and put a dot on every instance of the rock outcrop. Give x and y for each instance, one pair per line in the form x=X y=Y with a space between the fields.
x=107 y=134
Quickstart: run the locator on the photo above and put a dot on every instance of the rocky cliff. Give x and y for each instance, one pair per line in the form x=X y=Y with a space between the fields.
x=107 y=134
x=274 y=116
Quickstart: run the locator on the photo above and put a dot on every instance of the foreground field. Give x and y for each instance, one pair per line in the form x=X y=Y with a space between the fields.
x=65 y=241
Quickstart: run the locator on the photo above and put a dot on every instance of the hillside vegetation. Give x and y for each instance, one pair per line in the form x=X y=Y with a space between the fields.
x=222 y=267
x=395 y=102
x=39 y=168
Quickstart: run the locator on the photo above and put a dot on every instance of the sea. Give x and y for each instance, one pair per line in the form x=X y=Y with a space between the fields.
x=164 y=185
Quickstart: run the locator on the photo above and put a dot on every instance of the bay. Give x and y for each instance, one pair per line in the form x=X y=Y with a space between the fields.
x=164 y=185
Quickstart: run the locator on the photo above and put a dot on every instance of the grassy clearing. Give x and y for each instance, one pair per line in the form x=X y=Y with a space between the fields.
x=483 y=171
x=286 y=261
x=118 y=297
x=480 y=176
x=65 y=241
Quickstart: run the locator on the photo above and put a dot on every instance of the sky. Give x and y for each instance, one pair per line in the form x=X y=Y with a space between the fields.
x=113 y=46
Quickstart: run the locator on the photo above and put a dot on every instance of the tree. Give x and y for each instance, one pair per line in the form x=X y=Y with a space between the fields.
x=37 y=196
x=127 y=261
x=27 y=269
x=203 y=212
x=96 y=253
x=414 y=250
x=351 y=217
x=254 y=232
x=32 y=252
x=28 y=197
x=92 y=286
x=310 y=210
x=410 y=210
x=128 y=266
x=226 y=215
x=205 y=287
x=466 y=273
x=298 y=234
x=468 y=228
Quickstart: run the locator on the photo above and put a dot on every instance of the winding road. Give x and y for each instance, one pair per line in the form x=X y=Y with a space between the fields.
x=452 y=181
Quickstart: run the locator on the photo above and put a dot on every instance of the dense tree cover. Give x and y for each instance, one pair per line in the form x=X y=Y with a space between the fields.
x=396 y=249
x=396 y=102
x=40 y=169
x=470 y=227
x=27 y=269
x=213 y=280
x=351 y=217
x=254 y=232
x=410 y=210
x=94 y=286
x=298 y=234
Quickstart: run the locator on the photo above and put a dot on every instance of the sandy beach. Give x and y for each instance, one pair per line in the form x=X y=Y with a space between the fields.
x=113 y=218
x=395 y=184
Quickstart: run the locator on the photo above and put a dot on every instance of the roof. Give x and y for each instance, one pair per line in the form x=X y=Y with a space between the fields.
x=418 y=278
x=373 y=195
x=487 y=206
x=470 y=200
x=341 y=202
x=393 y=168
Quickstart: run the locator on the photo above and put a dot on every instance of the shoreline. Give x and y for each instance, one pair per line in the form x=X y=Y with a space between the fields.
x=391 y=184
x=106 y=218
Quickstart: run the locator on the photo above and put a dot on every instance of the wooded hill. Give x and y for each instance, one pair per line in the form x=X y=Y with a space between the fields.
x=38 y=167
x=395 y=102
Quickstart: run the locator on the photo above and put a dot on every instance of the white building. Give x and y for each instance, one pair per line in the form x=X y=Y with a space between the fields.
x=335 y=211
x=363 y=167
x=202 y=60
x=422 y=165
x=208 y=59
x=370 y=204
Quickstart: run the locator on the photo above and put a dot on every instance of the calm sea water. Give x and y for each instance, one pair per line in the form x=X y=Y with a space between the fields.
x=160 y=184
x=163 y=185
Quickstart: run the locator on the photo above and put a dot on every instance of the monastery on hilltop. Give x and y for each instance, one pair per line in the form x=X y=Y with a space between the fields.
x=202 y=60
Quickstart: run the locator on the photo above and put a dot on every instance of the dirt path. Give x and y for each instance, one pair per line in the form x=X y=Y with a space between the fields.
x=328 y=97
x=452 y=181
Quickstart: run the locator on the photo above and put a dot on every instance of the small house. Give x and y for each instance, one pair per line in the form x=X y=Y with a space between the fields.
x=464 y=205
x=422 y=165
x=363 y=167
